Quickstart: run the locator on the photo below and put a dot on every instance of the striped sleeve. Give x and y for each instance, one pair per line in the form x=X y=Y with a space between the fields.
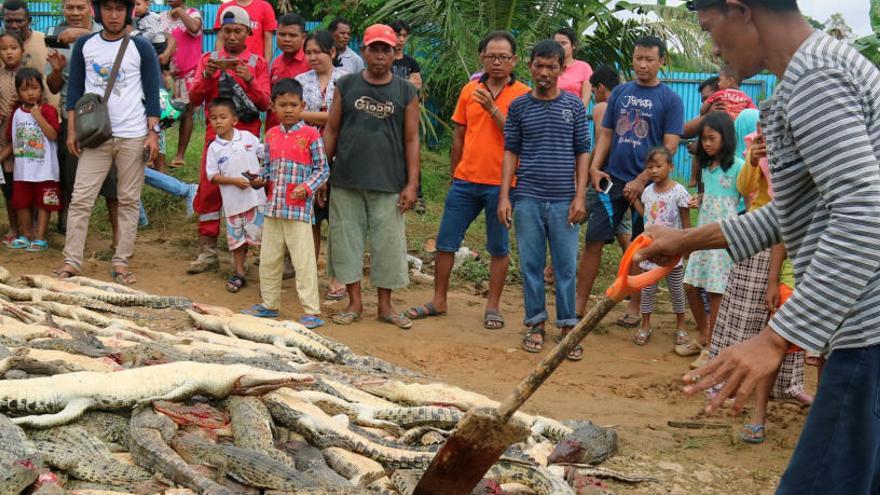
x=749 y=234
x=830 y=129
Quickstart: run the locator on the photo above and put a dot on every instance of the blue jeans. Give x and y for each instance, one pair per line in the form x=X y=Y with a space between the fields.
x=839 y=448
x=537 y=222
x=464 y=202
x=165 y=182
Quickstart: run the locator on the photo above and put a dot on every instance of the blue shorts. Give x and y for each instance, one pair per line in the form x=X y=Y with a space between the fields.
x=464 y=202
x=607 y=212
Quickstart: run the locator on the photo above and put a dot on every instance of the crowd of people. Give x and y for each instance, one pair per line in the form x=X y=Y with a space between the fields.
x=341 y=145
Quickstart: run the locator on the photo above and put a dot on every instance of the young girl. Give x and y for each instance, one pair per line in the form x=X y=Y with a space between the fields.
x=720 y=200
x=11 y=54
x=665 y=202
x=32 y=133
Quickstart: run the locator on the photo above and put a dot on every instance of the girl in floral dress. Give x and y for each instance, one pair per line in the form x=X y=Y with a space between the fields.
x=720 y=200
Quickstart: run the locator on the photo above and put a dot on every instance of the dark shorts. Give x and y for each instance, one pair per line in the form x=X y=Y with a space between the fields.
x=321 y=213
x=43 y=195
x=464 y=202
x=607 y=212
x=68 y=163
x=7 y=187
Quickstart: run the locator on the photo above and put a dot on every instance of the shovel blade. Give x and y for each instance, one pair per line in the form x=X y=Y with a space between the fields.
x=476 y=444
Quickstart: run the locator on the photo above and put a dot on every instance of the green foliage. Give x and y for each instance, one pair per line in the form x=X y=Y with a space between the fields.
x=869 y=45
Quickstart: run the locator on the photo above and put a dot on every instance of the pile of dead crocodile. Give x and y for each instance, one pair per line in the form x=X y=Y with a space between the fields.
x=94 y=401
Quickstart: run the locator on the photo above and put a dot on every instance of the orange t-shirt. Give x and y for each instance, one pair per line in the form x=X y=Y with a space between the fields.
x=483 y=139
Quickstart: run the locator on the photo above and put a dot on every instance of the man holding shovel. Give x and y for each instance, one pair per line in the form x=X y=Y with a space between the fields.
x=822 y=127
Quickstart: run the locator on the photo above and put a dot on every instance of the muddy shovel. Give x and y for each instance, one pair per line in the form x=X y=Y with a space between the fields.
x=485 y=433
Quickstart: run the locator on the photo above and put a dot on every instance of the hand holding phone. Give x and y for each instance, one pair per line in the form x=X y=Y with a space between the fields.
x=605 y=185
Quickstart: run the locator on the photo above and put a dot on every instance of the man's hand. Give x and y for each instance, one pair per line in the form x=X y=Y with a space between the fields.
x=668 y=244
x=57 y=61
x=211 y=68
x=577 y=212
x=72 y=143
x=164 y=58
x=151 y=144
x=718 y=106
x=505 y=211
x=407 y=198
x=633 y=190
x=177 y=12
x=321 y=195
x=243 y=71
x=740 y=368
x=484 y=98
x=596 y=177
x=758 y=150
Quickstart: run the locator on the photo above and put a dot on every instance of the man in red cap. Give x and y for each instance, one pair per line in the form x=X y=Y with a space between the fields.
x=373 y=132
x=235 y=72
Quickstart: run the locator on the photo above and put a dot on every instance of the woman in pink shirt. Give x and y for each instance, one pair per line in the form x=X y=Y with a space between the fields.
x=576 y=77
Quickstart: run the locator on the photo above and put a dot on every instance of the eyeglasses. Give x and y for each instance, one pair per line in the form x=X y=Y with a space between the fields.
x=497 y=58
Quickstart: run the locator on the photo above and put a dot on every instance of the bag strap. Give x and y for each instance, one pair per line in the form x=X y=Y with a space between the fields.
x=116 y=63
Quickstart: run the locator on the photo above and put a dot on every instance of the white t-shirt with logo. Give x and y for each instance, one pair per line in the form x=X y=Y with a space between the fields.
x=242 y=153
x=36 y=156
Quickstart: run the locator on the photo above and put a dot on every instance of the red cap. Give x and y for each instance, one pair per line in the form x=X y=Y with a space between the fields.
x=380 y=33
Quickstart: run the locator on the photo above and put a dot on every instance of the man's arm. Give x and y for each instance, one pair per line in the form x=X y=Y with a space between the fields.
x=334 y=123
x=457 y=148
x=267 y=46
x=193 y=23
x=258 y=88
x=599 y=155
x=412 y=152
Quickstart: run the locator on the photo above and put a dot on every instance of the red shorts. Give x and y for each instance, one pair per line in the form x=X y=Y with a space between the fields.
x=44 y=195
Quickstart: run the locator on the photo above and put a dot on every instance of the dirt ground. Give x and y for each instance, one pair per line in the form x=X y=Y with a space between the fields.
x=634 y=390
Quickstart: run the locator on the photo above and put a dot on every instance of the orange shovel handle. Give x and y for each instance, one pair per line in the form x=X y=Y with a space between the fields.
x=627 y=284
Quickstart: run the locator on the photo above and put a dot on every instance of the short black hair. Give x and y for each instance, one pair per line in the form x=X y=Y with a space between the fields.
x=400 y=25
x=605 y=75
x=774 y=5
x=16 y=5
x=494 y=36
x=568 y=33
x=722 y=124
x=334 y=24
x=287 y=86
x=727 y=71
x=548 y=49
x=27 y=74
x=224 y=101
x=651 y=41
x=293 y=19
x=711 y=83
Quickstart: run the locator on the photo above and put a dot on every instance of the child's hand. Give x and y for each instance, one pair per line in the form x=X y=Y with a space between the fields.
x=771 y=299
x=241 y=183
x=258 y=182
x=321 y=195
x=300 y=191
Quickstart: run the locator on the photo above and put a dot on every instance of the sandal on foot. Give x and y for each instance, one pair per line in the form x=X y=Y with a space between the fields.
x=311 y=321
x=492 y=320
x=346 y=318
x=122 y=278
x=642 y=336
x=530 y=345
x=426 y=310
x=20 y=242
x=260 y=311
x=235 y=283
x=177 y=163
x=753 y=434
x=680 y=337
x=692 y=348
x=576 y=353
x=400 y=321
x=65 y=272
x=37 y=246
x=337 y=294
x=629 y=321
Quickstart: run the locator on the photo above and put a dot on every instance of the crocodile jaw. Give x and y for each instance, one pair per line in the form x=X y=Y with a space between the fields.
x=259 y=383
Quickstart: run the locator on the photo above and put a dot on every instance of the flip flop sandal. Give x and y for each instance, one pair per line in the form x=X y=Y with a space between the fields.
x=530 y=345
x=426 y=310
x=346 y=318
x=63 y=273
x=492 y=320
x=260 y=311
x=122 y=278
x=753 y=434
x=692 y=348
x=235 y=283
x=681 y=337
x=400 y=321
x=20 y=242
x=576 y=353
x=629 y=321
x=177 y=163
x=37 y=246
x=337 y=295
x=642 y=336
x=311 y=321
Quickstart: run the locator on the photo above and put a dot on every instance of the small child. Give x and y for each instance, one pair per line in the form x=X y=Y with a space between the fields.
x=33 y=135
x=665 y=202
x=11 y=55
x=735 y=101
x=149 y=25
x=233 y=156
x=296 y=167
x=720 y=200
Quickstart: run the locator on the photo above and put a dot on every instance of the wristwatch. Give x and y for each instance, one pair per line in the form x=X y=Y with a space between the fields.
x=156 y=128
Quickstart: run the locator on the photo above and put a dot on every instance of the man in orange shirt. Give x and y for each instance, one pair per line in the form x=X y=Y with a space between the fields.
x=477 y=151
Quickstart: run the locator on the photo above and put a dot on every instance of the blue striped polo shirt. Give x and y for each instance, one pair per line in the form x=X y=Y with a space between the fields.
x=547 y=135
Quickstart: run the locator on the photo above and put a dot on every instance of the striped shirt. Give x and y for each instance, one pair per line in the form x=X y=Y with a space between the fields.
x=823 y=142
x=548 y=136
x=294 y=156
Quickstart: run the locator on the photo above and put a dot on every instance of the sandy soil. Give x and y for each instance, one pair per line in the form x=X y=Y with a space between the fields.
x=635 y=390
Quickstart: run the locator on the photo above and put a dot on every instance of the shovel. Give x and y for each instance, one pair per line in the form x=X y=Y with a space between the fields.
x=485 y=433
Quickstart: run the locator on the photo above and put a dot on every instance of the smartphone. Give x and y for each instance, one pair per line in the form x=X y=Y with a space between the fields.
x=227 y=63
x=53 y=42
x=250 y=176
x=606 y=188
